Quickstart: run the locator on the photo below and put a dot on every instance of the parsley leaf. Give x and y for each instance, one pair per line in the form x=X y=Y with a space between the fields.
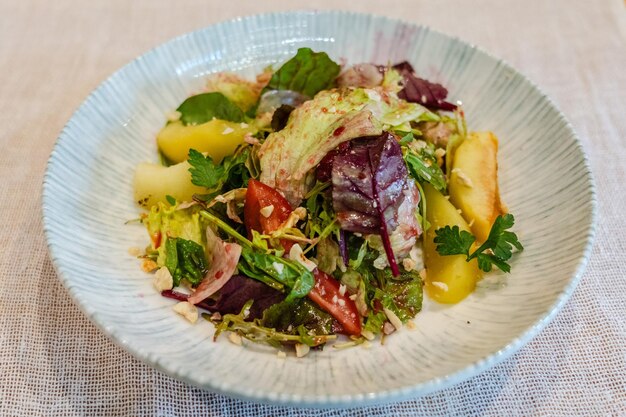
x=232 y=171
x=204 y=107
x=497 y=249
x=453 y=241
x=307 y=72
x=204 y=172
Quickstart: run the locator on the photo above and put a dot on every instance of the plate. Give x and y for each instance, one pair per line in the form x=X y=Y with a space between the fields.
x=544 y=177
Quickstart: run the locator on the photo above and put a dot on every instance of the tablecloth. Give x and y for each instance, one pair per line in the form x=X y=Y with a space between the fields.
x=53 y=361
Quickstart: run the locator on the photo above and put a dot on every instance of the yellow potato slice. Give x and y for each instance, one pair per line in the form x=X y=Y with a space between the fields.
x=217 y=138
x=473 y=183
x=449 y=279
x=153 y=182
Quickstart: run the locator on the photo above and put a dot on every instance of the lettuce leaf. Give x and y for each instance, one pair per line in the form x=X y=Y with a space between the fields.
x=419 y=90
x=318 y=126
x=307 y=72
x=369 y=185
x=204 y=107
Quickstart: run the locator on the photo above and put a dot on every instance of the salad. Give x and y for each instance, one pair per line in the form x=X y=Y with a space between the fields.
x=318 y=201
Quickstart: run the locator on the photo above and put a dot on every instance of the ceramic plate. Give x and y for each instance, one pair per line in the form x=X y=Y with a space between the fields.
x=544 y=179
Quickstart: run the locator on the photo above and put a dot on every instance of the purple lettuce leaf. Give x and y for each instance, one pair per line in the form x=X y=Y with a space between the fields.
x=369 y=180
x=419 y=90
x=234 y=294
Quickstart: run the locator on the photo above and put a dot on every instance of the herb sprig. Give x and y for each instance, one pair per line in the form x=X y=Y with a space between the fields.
x=497 y=249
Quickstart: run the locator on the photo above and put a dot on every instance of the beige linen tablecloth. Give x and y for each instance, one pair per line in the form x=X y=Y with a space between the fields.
x=53 y=361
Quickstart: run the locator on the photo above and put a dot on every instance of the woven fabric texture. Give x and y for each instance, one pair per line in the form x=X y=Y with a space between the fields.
x=53 y=361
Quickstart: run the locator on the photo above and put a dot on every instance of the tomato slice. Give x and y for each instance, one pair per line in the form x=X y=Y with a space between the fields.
x=259 y=196
x=326 y=294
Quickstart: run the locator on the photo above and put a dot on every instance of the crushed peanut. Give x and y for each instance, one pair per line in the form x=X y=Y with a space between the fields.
x=393 y=318
x=135 y=251
x=235 y=339
x=187 y=310
x=148 y=265
x=302 y=350
x=163 y=280
x=267 y=211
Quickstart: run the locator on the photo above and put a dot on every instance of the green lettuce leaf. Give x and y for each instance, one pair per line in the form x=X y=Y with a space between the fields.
x=204 y=107
x=307 y=72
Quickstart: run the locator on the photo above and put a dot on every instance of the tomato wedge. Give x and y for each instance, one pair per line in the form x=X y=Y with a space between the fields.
x=259 y=196
x=326 y=294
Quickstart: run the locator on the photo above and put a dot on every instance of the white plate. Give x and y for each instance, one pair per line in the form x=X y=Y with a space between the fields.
x=544 y=179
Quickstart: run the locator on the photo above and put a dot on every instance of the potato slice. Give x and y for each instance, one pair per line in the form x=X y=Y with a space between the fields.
x=473 y=183
x=449 y=279
x=153 y=182
x=217 y=138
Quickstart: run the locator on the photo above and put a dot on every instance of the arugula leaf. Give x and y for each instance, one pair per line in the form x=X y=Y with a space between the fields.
x=307 y=72
x=255 y=332
x=497 y=249
x=422 y=165
x=204 y=107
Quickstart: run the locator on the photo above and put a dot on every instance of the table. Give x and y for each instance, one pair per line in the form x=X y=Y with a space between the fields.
x=53 y=361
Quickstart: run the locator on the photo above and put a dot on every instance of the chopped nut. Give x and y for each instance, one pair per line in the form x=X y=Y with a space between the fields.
x=187 y=310
x=235 y=339
x=368 y=335
x=440 y=153
x=148 y=265
x=228 y=130
x=395 y=320
x=281 y=354
x=342 y=289
x=410 y=325
x=352 y=297
x=173 y=116
x=134 y=251
x=163 y=280
x=295 y=254
x=216 y=316
x=278 y=267
x=462 y=178
x=423 y=274
x=408 y=264
x=388 y=328
x=267 y=211
x=441 y=285
x=249 y=139
x=302 y=350
x=298 y=214
x=243 y=125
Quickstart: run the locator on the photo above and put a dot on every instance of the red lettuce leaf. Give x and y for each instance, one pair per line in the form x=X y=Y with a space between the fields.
x=234 y=294
x=369 y=180
x=419 y=90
